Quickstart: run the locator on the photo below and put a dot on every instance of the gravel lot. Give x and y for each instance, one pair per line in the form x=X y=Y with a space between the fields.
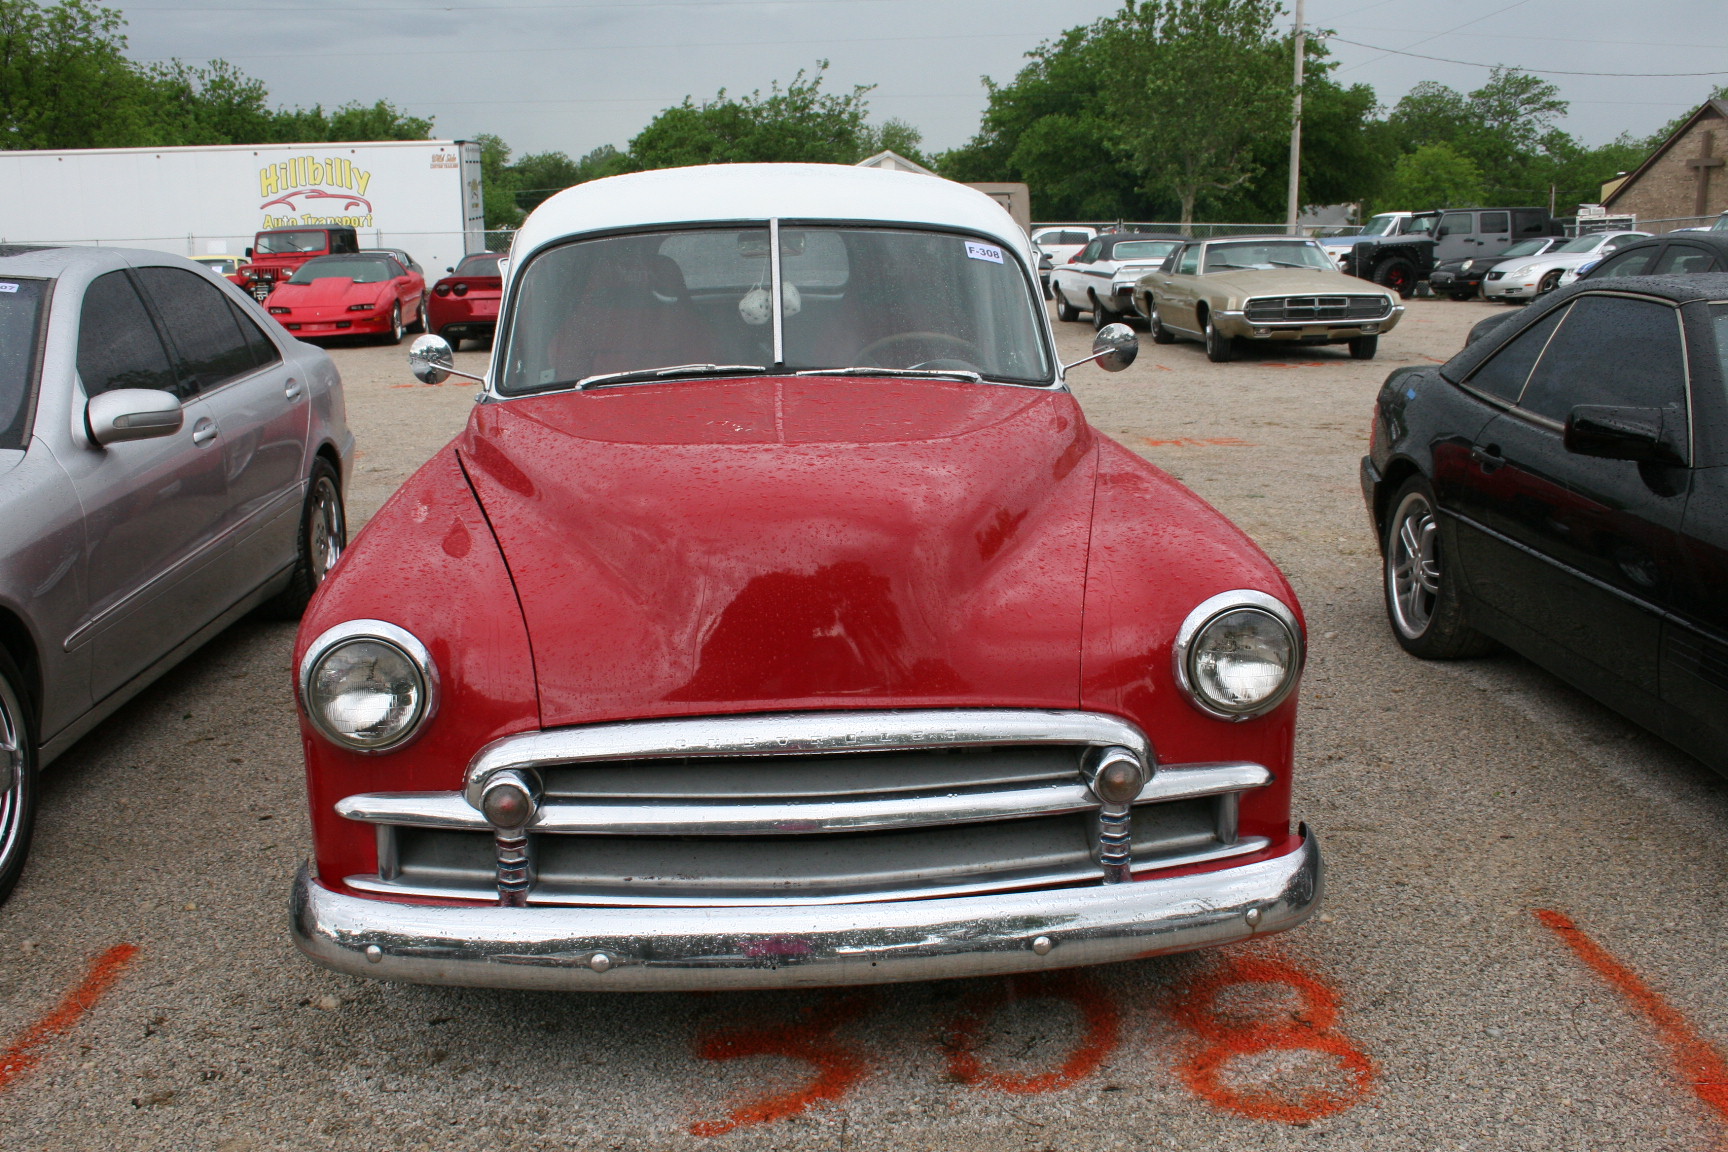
x=1430 y=1007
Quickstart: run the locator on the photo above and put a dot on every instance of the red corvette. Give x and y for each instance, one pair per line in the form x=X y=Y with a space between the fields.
x=354 y=295
x=779 y=620
x=464 y=305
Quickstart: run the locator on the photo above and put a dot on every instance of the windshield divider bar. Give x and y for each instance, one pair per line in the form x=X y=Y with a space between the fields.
x=775 y=309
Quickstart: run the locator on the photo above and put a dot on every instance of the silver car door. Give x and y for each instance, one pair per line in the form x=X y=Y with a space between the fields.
x=260 y=407
x=153 y=509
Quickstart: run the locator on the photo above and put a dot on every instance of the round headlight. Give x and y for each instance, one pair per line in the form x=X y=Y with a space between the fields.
x=367 y=685
x=1239 y=654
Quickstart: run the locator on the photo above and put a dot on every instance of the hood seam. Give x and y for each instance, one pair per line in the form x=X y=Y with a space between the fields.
x=504 y=556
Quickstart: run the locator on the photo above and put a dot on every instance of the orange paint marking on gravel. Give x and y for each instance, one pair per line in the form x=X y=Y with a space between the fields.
x=24 y=1053
x=1193 y=442
x=1101 y=1017
x=811 y=1039
x=1311 y=1028
x=1700 y=1063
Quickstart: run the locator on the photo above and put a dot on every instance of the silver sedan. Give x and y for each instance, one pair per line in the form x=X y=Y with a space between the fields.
x=170 y=459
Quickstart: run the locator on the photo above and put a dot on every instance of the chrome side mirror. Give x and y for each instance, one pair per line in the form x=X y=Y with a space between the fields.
x=1114 y=348
x=432 y=361
x=132 y=414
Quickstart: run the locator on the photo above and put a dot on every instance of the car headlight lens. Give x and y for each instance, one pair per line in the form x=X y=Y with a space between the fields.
x=1467 y=265
x=368 y=686
x=1239 y=654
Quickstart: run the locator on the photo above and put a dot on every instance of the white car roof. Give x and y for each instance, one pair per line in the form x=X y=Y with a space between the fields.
x=753 y=192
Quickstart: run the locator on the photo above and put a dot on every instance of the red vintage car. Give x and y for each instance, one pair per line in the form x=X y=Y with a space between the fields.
x=778 y=619
x=464 y=305
x=366 y=294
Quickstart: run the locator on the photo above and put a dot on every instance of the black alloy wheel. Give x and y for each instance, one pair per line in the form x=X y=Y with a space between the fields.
x=1219 y=347
x=17 y=775
x=1422 y=600
x=1398 y=274
x=1364 y=347
x=1160 y=334
x=1065 y=311
x=323 y=536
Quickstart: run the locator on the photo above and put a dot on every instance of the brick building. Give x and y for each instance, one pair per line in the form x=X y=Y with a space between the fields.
x=1684 y=179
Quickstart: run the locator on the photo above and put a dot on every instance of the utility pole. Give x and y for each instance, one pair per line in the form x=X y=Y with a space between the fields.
x=1291 y=206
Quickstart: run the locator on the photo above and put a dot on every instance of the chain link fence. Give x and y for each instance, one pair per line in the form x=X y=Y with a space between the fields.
x=1201 y=231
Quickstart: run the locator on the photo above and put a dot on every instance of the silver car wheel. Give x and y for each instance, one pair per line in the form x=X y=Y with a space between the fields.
x=14 y=778
x=324 y=530
x=1413 y=566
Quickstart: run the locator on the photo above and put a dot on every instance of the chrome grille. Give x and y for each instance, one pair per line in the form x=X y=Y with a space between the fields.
x=1275 y=309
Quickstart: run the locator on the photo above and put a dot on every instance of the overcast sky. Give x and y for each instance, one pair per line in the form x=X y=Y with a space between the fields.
x=568 y=76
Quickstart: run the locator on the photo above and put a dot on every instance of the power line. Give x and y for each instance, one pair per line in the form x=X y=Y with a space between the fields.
x=1538 y=71
x=1438 y=35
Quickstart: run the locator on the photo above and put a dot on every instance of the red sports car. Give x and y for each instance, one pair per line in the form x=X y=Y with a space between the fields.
x=464 y=305
x=353 y=295
x=779 y=620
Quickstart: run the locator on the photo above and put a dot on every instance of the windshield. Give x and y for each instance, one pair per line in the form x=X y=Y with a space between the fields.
x=485 y=264
x=20 y=315
x=1526 y=248
x=1582 y=244
x=1380 y=226
x=277 y=243
x=1145 y=249
x=356 y=268
x=221 y=267
x=1266 y=254
x=852 y=297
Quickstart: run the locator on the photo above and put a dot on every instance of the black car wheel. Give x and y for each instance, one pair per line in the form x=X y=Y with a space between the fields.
x=1364 y=347
x=1160 y=334
x=1398 y=274
x=1422 y=600
x=323 y=536
x=1065 y=311
x=17 y=776
x=1219 y=347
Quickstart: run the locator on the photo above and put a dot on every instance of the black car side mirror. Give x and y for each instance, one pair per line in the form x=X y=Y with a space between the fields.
x=1616 y=433
x=248 y=253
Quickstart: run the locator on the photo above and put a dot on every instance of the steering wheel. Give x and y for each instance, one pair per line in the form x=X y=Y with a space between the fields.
x=971 y=352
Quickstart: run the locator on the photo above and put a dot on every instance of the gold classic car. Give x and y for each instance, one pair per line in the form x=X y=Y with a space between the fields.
x=1281 y=288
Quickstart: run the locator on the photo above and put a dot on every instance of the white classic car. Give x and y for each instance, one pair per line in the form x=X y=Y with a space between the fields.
x=1100 y=278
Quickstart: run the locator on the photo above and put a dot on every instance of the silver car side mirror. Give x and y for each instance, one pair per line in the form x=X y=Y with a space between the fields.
x=132 y=414
x=432 y=361
x=1114 y=348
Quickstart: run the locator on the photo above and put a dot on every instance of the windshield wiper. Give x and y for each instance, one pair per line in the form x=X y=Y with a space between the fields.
x=637 y=375
x=872 y=370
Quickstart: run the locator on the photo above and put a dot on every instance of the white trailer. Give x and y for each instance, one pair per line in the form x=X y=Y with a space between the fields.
x=422 y=196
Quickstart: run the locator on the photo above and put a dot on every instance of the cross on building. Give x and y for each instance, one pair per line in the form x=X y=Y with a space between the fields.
x=1702 y=166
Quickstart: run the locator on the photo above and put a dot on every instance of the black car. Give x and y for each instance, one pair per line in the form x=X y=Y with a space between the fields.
x=1561 y=486
x=1462 y=279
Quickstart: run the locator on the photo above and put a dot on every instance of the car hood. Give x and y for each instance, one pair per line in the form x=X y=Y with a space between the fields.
x=328 y=290
x=747 y=545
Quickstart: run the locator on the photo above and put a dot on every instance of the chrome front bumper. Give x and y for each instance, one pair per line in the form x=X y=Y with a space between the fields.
x=691 y=948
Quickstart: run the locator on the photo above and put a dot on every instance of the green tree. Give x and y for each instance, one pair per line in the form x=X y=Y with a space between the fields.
x=1433 y=176
x=498 y=182
x=797 y=123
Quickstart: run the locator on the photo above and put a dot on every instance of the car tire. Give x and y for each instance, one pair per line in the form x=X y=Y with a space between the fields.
x=320 y=542
x=419 y=324
x=1398 y=274
x=1364 y=347
x=1219 y=347
x=1160 y=334
x=1065 y=311
x=1423 y=603
x=1100 y=314
x=18 y=778
x=394 y=335
x=455 y=342
x=1460 y=296
x=1550 y=281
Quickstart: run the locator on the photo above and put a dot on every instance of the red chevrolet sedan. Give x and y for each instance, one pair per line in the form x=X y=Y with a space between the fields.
x=359 y=294
x=778 y=619
x=464 y=305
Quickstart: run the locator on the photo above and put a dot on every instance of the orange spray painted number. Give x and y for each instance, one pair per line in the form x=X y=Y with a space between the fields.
x=1699 y=1063
x=1100 y=1017
x=23 y=1054
x=811 y=1040
x=1231 y=1038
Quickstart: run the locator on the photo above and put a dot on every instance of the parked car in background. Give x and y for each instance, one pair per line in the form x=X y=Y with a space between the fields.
x=1526 y=277
x=464 y=304
x=1462 y=279
x=277 y=253
x=169 y=460
x=1561 y=486
x=1670 y=255
x=1061 y=241
x=228 y=267
x=359 y=295
x=1380 y=226
x=1470 y=233
x=1100 y=278
x=741 y=643
x=1273 y=289
x=401 y=258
